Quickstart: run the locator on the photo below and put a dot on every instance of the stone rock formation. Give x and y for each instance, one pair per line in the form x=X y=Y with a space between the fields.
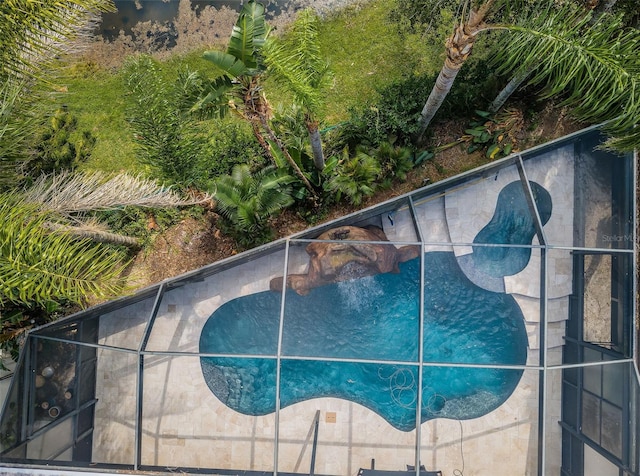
x=347 y=258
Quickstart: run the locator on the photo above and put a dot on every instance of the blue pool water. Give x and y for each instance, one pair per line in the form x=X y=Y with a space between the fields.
x=356 y=319
x=377 y=318
x=512 y=224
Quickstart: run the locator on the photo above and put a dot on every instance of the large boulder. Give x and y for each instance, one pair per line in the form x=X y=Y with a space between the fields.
x=346 y=257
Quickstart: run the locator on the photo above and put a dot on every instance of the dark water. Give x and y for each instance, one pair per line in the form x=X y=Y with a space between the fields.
x=129 y=12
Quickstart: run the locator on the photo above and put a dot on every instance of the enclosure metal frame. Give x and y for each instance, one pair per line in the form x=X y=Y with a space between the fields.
x=409 y=200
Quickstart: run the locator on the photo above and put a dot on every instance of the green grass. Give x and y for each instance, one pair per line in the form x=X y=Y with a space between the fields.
x=363 y=47
x=97 y=98
x=365 y=52
x=97 y=101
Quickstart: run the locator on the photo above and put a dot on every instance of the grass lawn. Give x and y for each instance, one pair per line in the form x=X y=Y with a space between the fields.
x=96 y=99
x=364 y=50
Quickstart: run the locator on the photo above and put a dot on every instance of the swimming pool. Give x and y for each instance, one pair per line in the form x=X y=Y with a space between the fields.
x=377 y=318
x=512 y=224
x=462 y=324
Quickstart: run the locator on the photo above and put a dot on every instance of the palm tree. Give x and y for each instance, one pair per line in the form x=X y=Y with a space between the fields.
x=458 y=48
x=50 y=254
x=521 y=76
x=243 y=72
x=296 y=62
x=34 y=34
x=590 y=60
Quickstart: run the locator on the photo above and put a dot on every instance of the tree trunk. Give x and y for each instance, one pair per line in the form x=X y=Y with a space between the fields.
x=94 y=234
x=316 y=143
x=508 y=90
x=257 y=132
x=285 y=152
x=458 y=47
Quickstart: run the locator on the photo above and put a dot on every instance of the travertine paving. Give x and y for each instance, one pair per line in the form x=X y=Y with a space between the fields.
x=183 y=423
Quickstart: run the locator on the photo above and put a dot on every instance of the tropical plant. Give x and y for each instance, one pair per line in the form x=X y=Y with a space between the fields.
x=247 y=200
x=352 y=176
x=395 y=162
x=45 y=269
x=295 y=61
x=55 y=149
x=240 y=86
x=494 y=133
x=172 y=143
x=40 y=265
x=77 y=193
x=589 y=61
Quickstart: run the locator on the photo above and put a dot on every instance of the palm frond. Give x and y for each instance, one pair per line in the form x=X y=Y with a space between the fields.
x=249 y=34
x=70 y=193
x=595 y=65
x=33 y=34
x=213 y=100
x=38 y=265
x=93 y=231
x=295 y=61
x=227 y=62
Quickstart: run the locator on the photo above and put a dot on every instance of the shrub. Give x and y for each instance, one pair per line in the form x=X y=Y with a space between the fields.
x=395 y=118
x=353 y=176
x=55 y=149
x=247 y=200
x=230 y=144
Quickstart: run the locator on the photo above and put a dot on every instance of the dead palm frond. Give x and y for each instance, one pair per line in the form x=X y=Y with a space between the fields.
x=69 y=194
x=95 y=231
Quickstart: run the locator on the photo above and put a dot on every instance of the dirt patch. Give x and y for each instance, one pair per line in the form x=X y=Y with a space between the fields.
x=188 y=245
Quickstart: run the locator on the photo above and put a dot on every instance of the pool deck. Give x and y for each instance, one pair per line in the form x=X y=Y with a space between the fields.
x=184 y=424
